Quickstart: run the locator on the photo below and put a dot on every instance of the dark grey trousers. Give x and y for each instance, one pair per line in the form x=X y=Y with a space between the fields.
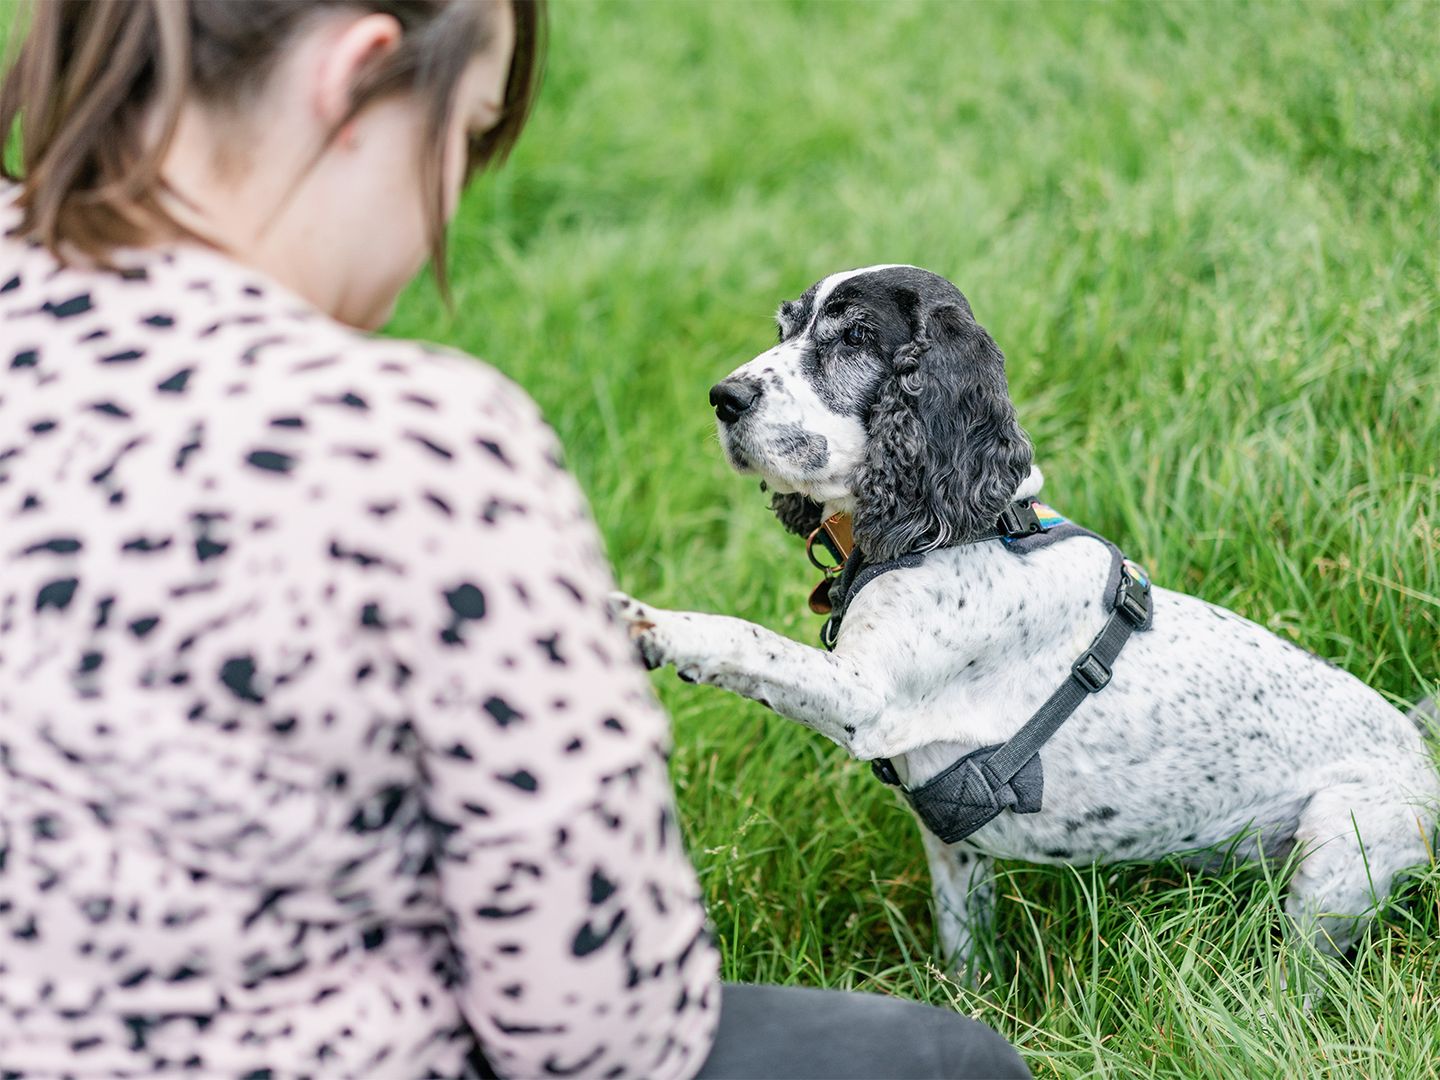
x=798 y=1033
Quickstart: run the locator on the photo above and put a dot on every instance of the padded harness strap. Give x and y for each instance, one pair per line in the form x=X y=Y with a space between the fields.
x=976 y=789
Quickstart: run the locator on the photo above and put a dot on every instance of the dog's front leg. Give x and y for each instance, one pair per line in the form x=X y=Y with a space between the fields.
x=964 y=889
x=835 y=696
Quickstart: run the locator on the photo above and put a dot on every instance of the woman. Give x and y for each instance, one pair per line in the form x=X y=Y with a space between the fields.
x=319 y=754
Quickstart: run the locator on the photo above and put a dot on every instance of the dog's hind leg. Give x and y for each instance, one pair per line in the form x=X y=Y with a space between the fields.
x=964 y=891
x=1356 y=838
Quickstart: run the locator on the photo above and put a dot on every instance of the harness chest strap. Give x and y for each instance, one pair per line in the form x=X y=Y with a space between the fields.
x=976 y=789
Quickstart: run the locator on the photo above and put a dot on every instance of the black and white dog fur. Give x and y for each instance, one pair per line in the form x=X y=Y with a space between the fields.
x=885 y=398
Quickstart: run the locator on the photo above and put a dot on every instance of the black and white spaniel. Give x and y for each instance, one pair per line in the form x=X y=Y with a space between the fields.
x=886 y=400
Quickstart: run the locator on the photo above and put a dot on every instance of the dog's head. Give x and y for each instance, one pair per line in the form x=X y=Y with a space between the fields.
x=884 y=396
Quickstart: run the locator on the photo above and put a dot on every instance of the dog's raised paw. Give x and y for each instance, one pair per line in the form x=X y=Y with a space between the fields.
x=635 y=617
x=628 y=610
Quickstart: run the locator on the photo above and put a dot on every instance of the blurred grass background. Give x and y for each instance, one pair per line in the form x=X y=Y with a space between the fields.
x=1207 y=237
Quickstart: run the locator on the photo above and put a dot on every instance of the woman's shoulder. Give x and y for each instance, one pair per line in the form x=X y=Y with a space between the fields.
x=225 y=392
x=190 y=324
x=271 y=318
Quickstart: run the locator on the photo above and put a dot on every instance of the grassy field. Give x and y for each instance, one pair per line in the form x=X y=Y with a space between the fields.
x=1208 y=238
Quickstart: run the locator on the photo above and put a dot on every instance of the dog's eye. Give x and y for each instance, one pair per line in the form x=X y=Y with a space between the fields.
x=854 y=336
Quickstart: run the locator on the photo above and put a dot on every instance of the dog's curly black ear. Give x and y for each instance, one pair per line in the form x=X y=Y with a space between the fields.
x=797 y=513
x=945 y=452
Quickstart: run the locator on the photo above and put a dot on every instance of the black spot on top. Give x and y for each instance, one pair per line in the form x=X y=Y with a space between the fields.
x=501 y=712
x=60 y=545
x=430 y=444
x=601 y=887
x=175 y=384
x=76 y=305
x=522 y=779
x=56 y=594
x=466 y=601
x=493 y=448
x=141 y=627
x=145 y=545
x=588 y=939
x=271 y=461
x=238 y=676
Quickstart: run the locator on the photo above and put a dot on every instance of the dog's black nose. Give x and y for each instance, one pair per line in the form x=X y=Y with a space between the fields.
x=732 y=398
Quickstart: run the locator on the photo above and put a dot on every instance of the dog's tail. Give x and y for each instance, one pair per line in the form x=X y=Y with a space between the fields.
x=1426 y=717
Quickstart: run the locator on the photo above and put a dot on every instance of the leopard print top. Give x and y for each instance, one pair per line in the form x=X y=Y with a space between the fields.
x=319 y=753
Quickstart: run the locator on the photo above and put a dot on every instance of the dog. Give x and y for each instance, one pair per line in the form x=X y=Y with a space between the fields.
x=886 y=401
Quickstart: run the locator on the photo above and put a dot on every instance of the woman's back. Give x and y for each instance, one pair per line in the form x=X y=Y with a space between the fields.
x=310 y=719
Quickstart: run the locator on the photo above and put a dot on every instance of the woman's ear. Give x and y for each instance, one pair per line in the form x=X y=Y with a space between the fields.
x=347 y=55
x=945 y=453
x=797 y=513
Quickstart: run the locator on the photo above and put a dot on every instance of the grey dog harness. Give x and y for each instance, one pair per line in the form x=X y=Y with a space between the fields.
x=976 y=789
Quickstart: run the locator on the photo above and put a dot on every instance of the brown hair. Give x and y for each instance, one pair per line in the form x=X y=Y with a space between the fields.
x=91 y=77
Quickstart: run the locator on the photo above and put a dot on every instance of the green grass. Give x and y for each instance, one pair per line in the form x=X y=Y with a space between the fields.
x=1208 y=238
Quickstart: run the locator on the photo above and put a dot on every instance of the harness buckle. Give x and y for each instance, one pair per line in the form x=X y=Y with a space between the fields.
x=885 y=771
x=1020 y=519
x=1091 y=672
x=1133 y=600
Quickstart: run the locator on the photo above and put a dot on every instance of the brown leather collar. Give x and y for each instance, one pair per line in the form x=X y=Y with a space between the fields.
x=839 y=542
x=1018 y=520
